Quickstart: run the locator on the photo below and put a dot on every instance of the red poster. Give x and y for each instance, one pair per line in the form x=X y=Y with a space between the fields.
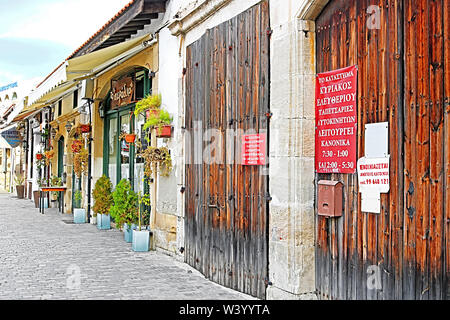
x=336 y=121
x=254 y=150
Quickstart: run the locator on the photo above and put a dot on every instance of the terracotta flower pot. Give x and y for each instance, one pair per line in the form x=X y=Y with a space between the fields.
x=20 y=192
x=130 y=138
x=164 y=132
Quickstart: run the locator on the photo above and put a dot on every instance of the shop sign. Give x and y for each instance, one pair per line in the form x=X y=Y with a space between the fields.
x=12 y=136
x=336 y=121
x=254 y=149
x=373 y=178
x=122 y=92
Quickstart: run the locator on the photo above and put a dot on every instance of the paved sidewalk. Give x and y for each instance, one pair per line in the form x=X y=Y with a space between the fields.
x=41 y=256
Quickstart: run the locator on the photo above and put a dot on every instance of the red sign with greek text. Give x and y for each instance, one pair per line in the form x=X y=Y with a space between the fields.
x=254 y=149
x=336 y=121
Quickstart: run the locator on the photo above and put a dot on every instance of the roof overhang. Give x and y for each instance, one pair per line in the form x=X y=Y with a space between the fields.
x=126 y=23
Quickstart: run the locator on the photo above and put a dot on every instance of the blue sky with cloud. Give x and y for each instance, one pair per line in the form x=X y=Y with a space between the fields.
x=37 y=35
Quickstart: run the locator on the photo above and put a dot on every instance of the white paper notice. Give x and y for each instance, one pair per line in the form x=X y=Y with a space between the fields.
x=373 y=178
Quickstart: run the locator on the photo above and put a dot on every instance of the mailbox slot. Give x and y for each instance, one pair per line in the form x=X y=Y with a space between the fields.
x=330 y=198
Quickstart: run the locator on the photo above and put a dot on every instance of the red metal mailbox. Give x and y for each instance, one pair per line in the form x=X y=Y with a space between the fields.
x=330 y=198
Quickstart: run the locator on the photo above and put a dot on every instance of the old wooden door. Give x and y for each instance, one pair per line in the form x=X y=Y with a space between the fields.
x=227 y=90
x=402 y=50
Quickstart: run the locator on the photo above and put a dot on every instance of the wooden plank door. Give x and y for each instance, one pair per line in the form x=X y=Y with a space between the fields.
x=227 y=93
x=403 y=79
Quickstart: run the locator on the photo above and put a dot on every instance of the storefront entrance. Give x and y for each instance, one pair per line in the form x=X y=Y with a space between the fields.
x=120 y=158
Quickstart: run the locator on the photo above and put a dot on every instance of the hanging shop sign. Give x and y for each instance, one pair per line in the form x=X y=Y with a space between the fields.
x=12 y=136
x=336 y=121
x=122 y=92
x=254 y=149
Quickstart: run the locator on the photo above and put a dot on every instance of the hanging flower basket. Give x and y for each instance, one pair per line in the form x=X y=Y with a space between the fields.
x=130 y=138
x=85 y=128
x=164 y=132
x=76 y=146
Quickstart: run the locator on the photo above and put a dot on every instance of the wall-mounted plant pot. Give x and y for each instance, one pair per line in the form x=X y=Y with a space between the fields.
x=20 y=192
x=141 y=241
x=128 y=232
x=103 y=221
x=164 y=132
x=79 y=216
x=130 y=138
x=85 y=128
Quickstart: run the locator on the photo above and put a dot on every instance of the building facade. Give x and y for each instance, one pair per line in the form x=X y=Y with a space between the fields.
x=234 y=72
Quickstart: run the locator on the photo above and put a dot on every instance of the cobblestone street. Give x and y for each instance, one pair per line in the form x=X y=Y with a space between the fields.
x=41 y=255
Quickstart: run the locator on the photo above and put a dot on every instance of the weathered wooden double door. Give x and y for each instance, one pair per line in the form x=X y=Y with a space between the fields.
x=227 y=94
x=403 y=52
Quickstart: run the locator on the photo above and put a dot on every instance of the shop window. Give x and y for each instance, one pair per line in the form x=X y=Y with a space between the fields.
x=140 y=85
x=75 y=99
x=60 y=108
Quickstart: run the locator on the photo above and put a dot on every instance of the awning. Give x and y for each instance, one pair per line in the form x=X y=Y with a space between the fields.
x=56 y=78
x=98 y=60
x=52 y=95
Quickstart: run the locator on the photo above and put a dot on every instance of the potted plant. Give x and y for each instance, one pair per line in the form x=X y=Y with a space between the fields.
x=39 y=156
x=102 y=195
x=79 y=214
x=124 y=208
x=158 y=158
x=161 y=122
x=20 y=187
x=55 y=182
x=141 y=237
x=150 y=104
x=157 y=118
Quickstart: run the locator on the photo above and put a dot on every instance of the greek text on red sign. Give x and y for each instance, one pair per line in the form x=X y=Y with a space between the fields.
x=336 y=121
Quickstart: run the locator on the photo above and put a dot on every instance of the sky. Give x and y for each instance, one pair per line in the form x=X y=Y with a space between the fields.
x=37 y=35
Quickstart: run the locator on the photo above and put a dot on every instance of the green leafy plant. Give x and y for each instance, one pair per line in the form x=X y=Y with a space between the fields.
x=78 y=196
x=148 y=103
x=19 y=180
x=125 y=204
x=55 y=182
x=143 y=200
x=102 y=195
x=158 y=120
